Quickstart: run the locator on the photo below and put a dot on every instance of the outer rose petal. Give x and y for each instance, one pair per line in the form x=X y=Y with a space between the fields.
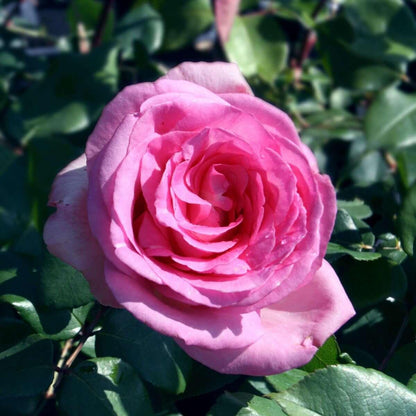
x=218 y=77
x=225 y=12
x=67 y=233
x=294 y=329
x=206 y=327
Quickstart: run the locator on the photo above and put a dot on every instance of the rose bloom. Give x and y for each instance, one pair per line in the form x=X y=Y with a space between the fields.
x=197 y=208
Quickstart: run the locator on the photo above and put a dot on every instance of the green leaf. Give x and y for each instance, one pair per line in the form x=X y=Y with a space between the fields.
x=58 y=153
x=333 y=123
x=88 y=13
x=244 y=404
x=69 y=98
x=385 y=31
x=202 y=380
x=183 y=20
x=345 y=62
x=57 y=325
x=406 y=221
x=14 y=199
x=103 y=386
x=389 y=247
x=347 y=390
x=368 y=283
x=411 y=385
x=402 y=365
x=142 y=24
x=157 y=358
x=258 y=46
x=287 y=379
x=391 y=120
x=301 y=10
x=406 y=164
x=26 y=369
x=351 y=236
x=12 y=331
x=327 y=355
x=61 y=286
x=334 y=251
x=356 y=208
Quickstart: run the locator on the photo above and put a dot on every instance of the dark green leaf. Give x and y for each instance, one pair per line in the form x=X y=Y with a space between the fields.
x=103 y=387
x=244 y=404
x=389 y=247
x=157 y=358
x=406 y=221
x=258 y=45
x=345 y=62
x=368 y=283
x=54 y=324
x=26 y=369
x=287 y=379
x=327 y=355
x=61 y=286
x=356 y=208
x=202 y=380
x=87 y=13
x=411 y=385
x=142 y=24
x=57 y=153
x=347 y=390
x=183 y=20
x=69 y=98
x=402 y=365
x=384 y=31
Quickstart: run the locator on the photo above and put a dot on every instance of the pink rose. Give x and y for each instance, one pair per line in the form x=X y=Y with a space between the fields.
x=197 y=208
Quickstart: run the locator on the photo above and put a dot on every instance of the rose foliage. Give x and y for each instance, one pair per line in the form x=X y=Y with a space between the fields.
x=197 y=208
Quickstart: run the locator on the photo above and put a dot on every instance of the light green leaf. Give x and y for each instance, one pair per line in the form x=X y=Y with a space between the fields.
x=347 y=390
x=142 y=24
x=391 y=120
x=407 y=221
x=258 y=46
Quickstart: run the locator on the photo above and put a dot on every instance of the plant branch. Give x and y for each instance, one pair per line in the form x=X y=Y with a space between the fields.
x=64 y=362
x=99 y=31
x=309 y=41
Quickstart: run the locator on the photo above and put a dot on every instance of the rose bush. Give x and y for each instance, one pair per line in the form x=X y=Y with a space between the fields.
x=197 y=208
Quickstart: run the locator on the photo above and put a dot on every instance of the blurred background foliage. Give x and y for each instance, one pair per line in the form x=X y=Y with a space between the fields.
x=345 y=71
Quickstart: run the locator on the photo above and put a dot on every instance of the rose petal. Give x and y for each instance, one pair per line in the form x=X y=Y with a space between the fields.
x=218 y=77
x=294 y=328
x=67 y=233
x=205 y=327
x=225 y=12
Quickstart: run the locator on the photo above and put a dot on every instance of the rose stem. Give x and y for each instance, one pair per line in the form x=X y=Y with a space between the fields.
x=86 y=331
x=309 y=41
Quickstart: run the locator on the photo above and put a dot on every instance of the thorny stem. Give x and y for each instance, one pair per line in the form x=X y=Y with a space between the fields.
x=99 y=31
